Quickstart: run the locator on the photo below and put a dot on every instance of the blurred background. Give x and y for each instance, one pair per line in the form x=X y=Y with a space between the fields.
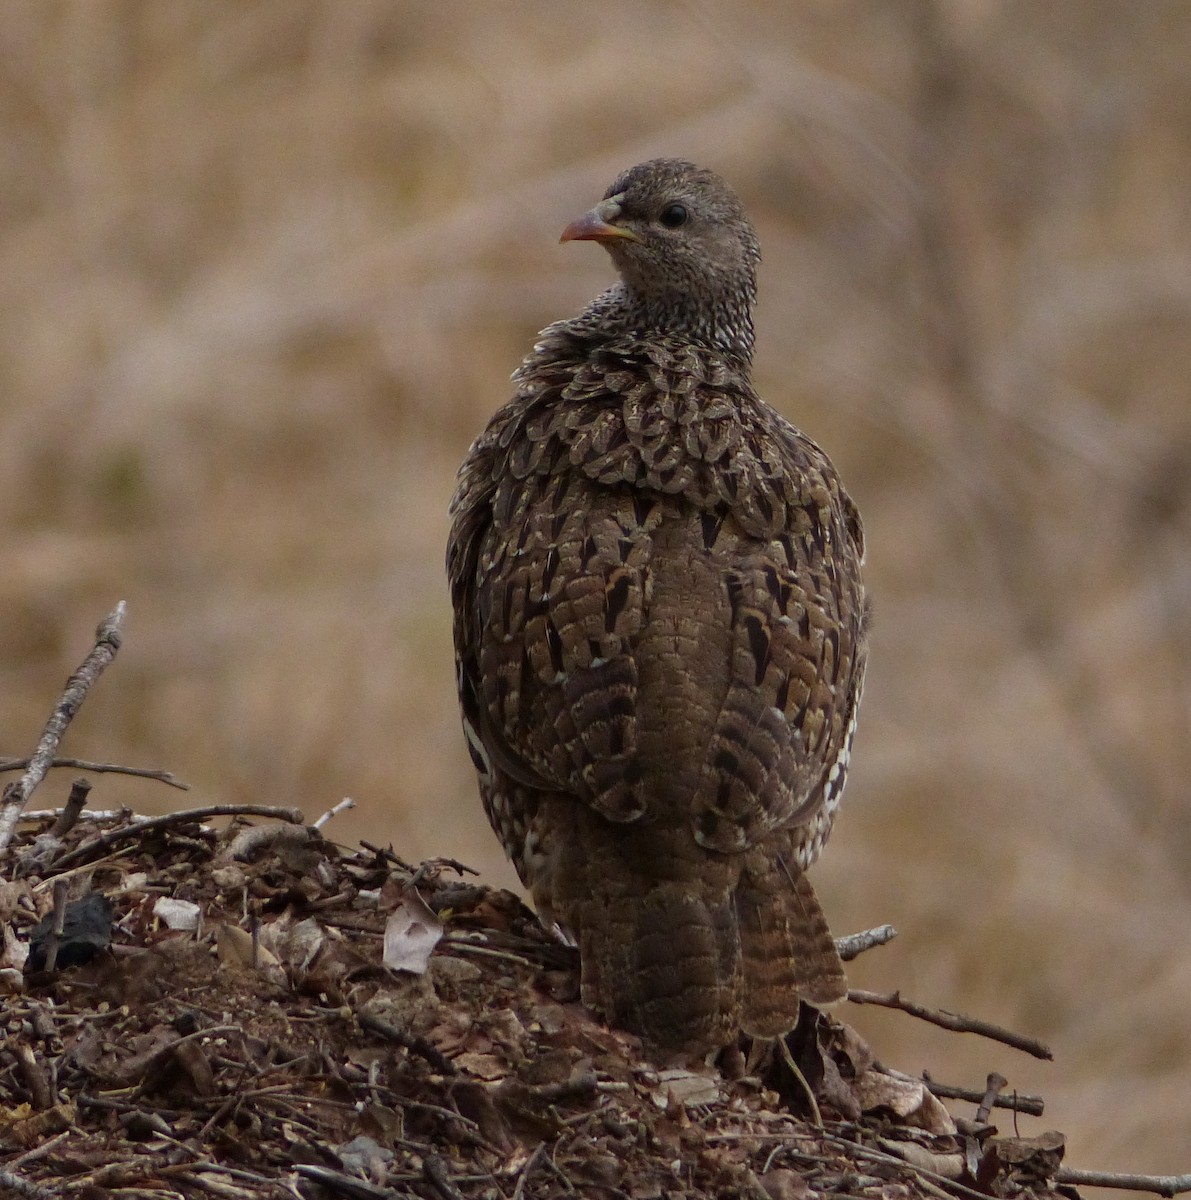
x=265 y=269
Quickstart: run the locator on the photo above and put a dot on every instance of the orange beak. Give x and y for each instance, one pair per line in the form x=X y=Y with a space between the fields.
x=597 y=225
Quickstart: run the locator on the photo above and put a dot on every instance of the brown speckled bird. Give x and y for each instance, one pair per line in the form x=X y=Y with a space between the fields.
x=660 y=630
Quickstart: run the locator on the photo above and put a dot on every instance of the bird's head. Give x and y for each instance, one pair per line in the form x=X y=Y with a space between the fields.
x=686 y=252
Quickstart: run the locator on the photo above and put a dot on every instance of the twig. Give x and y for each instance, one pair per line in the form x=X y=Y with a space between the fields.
x=89 y=816
x=989 y=1099
x=1163 y=1185
x=434 y=1171
x=414 y=1044
x=461 y=942
x=18 y=1185
x=341 y=1184
x=855 y=944
x=560 y=1174
x=807 y=1091
x=527 y=1170
x=68 y=817
x=143 y=825
x=902 y=1164
x=189 y=1170
x=954 y=1021
x=99 y=768
x=343 y=805
x=61 y=889
x=38 y=1151
x=1032 y=1106
x=387 y=854
x=16 y=795
x=35 y=1077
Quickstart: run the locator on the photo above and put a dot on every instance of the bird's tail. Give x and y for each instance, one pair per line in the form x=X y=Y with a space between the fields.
x=665 y=965
x=688 y=968
x=685 y=947
x=787 y=951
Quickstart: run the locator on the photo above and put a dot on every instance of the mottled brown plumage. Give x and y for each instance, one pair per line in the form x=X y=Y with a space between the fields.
x=660 y=629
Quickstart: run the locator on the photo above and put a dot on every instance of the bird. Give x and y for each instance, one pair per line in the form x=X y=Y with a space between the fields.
x=661 y=632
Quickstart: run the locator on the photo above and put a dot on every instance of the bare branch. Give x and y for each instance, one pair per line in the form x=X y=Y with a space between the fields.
x=1033 y=1106
x=18 y=1185
x=954 y=1021
x=108 y=636
x=68 y=817
x=99 y=768
x=61 y=889
x=88 y=816
x=343 y=805
x=855 y=944
x=1163 y=1185
x=989 y=1100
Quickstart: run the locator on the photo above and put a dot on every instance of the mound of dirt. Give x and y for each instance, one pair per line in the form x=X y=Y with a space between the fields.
x=254 y=1011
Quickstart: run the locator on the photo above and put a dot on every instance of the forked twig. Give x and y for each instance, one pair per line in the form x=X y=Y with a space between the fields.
x=957 y=1022
x=16 y=795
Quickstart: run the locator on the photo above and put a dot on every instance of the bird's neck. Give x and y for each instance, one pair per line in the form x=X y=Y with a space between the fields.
x=725 y=330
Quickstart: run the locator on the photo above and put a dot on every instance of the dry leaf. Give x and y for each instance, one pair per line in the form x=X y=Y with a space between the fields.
x=782 y=1183
x=177 y=914
x=949 y=1165
x=907 y=1099
x=1025 y=1159
x=482 y=1066
x=235 y=949
x=411 y=933
x=686 y=1088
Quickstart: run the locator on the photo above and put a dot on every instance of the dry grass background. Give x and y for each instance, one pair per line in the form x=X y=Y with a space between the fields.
x=265 y=268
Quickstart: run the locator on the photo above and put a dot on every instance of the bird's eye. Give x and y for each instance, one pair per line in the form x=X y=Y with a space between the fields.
x=673 y=216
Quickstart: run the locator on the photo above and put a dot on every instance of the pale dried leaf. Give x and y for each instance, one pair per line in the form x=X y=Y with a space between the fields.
x=482 y=1066
x=784 y=1184
x=411 y=933
x=234 y=947
x=177 y=914
x=296 y=945
x=364 y=1156
x=907 y=1099
x=15 y=950
x=950 y=1165
x=686 y=1088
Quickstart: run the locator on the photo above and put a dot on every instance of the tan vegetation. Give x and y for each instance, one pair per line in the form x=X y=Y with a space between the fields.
x=265 y=269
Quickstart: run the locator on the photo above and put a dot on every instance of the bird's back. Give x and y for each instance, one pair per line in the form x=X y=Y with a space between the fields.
x=660 y=631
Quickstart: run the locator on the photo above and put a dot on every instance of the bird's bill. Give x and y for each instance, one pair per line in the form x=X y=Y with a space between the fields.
x=597 y=225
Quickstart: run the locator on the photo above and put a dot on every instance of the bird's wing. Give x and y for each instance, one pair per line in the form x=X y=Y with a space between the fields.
x=797 y=611
x=548 y=587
